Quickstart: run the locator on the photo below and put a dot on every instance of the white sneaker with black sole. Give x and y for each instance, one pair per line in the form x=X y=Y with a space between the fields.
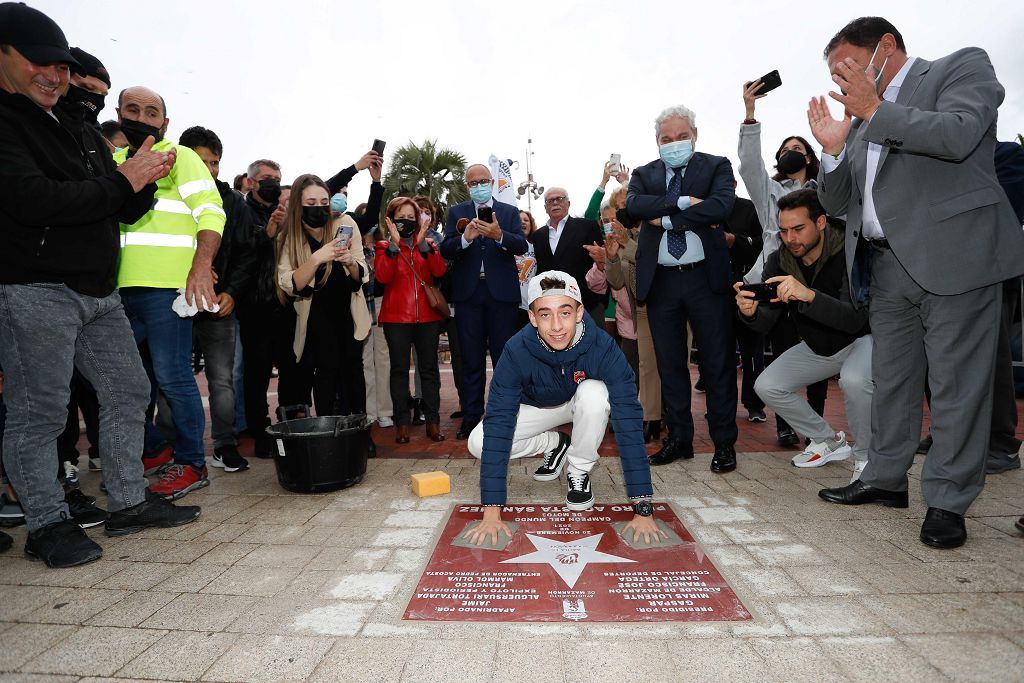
x=818 y=453
x=579 y=497
x=70 y=473
x=554 y=459
x=228 y=459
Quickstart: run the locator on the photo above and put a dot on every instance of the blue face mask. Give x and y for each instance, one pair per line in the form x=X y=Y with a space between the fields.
x=339 y=203
x=480 y=193
x=676 y=154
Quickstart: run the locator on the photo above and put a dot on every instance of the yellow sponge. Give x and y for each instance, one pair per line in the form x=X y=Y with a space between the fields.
x=431 y=484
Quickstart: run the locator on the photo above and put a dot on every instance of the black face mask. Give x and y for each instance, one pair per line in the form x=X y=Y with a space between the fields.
x=406 y=226
x=136 y=132
x=316 y=216
x=81 y=105
x=791 y=162
x=627 y=221
x=269 y=190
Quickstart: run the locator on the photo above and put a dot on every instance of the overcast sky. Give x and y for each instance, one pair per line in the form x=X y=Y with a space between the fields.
x=312 y=83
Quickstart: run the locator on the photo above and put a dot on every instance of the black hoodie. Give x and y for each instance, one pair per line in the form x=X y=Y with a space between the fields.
x=61 y=199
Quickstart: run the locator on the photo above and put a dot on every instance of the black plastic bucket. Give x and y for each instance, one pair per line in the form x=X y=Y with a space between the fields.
x=318 y=454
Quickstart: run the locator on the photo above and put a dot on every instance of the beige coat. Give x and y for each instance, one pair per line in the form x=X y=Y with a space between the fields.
x=360 y=313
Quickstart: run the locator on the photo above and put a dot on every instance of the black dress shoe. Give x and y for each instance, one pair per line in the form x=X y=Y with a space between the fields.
x=417 y=411
x=724 y=459
x=670 y=452
x=456 y=415
x=943 y=529
x=787 y=438
x=652 y=431
x=859 y=493
x=465 y=429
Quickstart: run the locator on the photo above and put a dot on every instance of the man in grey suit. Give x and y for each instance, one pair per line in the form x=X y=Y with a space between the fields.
x=932 y=233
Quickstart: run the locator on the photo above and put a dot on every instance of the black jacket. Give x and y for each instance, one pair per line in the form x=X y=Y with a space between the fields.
x=61 y=199
x=263 y=291
x=831 y=322
x=745 y=249
x=235 y=263
x=570 y=256
x=373 y=202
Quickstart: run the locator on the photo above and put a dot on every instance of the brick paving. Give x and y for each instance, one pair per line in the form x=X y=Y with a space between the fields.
x=269 y=585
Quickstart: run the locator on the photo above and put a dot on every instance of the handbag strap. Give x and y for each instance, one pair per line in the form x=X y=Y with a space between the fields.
x=412 y=266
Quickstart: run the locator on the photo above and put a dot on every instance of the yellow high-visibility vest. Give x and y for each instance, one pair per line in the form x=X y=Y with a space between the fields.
x=157 y=250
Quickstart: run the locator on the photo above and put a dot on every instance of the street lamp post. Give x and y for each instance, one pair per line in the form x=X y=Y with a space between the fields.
x=530 y=188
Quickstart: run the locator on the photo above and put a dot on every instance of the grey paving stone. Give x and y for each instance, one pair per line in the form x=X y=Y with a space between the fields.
x=18 y=601
x=254 y=581
x=873 y=659
x=432 y=659
x=828 y=580
x=795 y=659
x=190 y=578
x=290 y=556
x=22 y=642
x=829 y=616
x=92 y=651
x=139 y=576
x=949 y=613
x=269 y=658
x=132 y=610
x=179 y=655
x=970 y=657
x=75 y=606
x=359 y=660
x=199 y=612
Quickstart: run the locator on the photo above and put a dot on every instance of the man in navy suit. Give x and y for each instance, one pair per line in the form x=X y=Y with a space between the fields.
x=485 y=284
x=682 y=273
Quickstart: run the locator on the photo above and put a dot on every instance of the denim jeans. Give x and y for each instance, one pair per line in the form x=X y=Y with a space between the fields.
x=217 y=340
x=47 y=331
x=239 y=369
x=169 y=339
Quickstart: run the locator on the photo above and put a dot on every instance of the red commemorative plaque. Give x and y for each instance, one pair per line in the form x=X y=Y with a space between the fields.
x=571 y=566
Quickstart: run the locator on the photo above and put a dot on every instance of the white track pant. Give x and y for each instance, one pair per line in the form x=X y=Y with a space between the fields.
x=588 y=411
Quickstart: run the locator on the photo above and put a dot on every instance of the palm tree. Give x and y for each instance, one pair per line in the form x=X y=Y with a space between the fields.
x=425 y=169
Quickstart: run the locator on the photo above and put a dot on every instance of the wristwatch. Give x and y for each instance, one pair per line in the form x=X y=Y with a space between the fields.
x=643 y=508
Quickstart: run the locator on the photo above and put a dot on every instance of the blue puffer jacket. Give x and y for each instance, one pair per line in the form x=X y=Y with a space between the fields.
x=529 y=372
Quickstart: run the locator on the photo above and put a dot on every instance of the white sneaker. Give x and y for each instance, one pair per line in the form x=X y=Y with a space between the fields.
x=385 y=422
x=858 y=469
x=95 y=465
x=820 y=452
x=71 y=473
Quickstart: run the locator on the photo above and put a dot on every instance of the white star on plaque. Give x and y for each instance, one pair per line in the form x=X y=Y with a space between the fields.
x=567 y=559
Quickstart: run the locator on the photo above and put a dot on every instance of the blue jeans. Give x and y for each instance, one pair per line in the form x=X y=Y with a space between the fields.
x=170 y=349
x=47 y=331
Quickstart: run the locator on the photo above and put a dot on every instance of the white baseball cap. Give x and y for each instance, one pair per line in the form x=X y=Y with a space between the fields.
x=571 y=289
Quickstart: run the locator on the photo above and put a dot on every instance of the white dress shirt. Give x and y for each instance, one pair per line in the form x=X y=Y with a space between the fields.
x=871 y=228
x=555 y=233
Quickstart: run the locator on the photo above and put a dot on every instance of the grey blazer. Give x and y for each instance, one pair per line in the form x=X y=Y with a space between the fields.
x=941 y=207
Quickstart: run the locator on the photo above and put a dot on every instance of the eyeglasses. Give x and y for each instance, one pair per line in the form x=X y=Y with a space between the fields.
x=478 y=183
x=555 y=200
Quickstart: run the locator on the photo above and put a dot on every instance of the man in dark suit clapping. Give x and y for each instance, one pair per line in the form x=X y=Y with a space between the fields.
x=560 y=245
x=485 y=283
x=683 y=272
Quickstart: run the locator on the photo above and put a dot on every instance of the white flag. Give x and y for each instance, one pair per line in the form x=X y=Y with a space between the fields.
x=501 y=171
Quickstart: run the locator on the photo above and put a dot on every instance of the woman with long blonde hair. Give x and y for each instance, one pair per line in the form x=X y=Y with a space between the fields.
x=321 y=269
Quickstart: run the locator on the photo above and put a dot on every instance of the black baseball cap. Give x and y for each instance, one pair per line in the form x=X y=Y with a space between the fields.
x=34 y=35
x=91 y=66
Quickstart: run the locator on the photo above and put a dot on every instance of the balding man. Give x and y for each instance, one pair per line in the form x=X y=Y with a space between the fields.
x=170 y=249
x=482 y=237
x=59 y=310
x=562 y=245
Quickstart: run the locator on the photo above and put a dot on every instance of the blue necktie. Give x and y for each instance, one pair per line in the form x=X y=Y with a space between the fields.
x=676 y=237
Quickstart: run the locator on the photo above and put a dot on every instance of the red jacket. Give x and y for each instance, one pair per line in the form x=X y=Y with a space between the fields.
x=405 y=300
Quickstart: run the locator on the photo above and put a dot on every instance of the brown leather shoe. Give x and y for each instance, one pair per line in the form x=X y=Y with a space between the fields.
x=434 y=432
x=401 y=433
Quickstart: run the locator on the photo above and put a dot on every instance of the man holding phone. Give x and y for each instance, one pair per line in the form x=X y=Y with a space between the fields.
x=807 y=276
x=482 y=237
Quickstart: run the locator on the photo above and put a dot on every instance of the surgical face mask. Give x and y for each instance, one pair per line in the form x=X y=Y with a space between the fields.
x=316 y=216
x=339 y=203
x=406 y=226
x=269 y=190
x=791 y=161
x=881 y=71
x=676 y=154
x=480 y=194
x=136 y=132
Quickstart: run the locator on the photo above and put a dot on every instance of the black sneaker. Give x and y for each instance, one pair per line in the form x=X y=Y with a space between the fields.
x=264 y=447
x=228 y=459
x=62 y=544
x=5 y=542
x=579 y=496
x=152 y=512
x=11 y=512
x=787 y=438
x=83 y=509
x=554 y=459
x=756 y=415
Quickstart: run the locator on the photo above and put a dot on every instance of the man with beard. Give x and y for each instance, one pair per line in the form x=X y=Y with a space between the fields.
x=809 y=273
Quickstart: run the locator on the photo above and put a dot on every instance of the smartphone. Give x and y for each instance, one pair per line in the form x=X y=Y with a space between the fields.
x=763 y=291
x=485 y=213
x=770 y=81
x=345 y=233
x=378 y=146
x=615 y=163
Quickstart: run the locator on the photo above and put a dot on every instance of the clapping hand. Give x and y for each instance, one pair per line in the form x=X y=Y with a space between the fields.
x=597 y=253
